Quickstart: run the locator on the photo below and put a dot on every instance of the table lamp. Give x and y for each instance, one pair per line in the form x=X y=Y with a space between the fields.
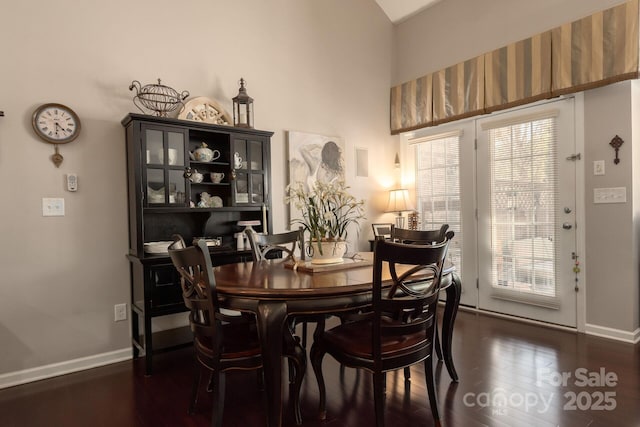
x=399 y=202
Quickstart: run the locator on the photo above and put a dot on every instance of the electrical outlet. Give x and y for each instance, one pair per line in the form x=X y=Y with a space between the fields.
x=120 y=312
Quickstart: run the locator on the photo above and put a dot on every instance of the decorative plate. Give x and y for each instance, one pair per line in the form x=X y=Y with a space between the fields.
x=157 y=247
x=203 y=109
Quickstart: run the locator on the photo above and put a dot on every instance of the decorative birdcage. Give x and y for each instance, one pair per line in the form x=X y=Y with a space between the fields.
x=158 y=98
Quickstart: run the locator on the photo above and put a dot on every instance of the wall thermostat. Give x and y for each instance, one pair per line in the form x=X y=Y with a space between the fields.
x=72 y=182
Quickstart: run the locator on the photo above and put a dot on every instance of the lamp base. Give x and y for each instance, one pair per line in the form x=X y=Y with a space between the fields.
x=400 y=221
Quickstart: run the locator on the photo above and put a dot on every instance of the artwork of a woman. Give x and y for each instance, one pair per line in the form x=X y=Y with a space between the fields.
x=315 y=158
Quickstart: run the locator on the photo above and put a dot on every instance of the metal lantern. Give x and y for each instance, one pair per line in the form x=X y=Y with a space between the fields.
x=243 y=108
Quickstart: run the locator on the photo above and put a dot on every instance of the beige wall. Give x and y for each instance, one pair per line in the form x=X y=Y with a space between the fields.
x=611 y=229
x=456 y=30
x=313 y=66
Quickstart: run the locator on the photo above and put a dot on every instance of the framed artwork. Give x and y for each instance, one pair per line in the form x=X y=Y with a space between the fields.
x=382 y=229
x=314 y=158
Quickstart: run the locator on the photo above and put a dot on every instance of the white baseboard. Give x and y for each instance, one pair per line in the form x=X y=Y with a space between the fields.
x=615 y=334
x=48 y=371
x=600 y=331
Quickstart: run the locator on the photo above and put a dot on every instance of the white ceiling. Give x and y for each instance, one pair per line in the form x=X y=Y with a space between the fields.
x=399 y=10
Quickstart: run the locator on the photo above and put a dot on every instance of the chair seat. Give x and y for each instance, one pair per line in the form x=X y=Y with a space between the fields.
x=355 y=339
x=238 y=341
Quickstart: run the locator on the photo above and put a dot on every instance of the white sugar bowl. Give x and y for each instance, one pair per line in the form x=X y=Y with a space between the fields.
x=196 y=177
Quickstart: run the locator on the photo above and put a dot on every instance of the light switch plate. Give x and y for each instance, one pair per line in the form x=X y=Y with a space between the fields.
x=598 y=167
x=52 y=206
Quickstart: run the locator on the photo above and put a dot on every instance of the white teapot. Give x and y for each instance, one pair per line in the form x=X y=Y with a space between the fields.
x=205 y=154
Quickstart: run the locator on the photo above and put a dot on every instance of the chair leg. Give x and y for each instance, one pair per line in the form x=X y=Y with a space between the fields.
x=297 y=367
x=194 y=388
x=431 y=388
x=290 y=347
x=407 y=374
x=218 y=383
x=436 y=341
x=260 y=379
x=316 y=356
x=378 y=396
x=304 y=335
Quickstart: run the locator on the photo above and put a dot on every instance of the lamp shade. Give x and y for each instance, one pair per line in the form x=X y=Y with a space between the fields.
x=399 y=201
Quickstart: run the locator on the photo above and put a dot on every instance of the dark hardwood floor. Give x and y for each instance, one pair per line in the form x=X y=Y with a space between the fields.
x=510 y=375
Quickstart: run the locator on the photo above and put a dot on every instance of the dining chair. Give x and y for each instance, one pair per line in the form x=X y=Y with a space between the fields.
x=222 y=343
x=399 y=330
x=262 y=244
x=423 y=237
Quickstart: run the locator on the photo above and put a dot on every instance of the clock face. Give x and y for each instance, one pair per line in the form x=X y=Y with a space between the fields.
x=56 y=123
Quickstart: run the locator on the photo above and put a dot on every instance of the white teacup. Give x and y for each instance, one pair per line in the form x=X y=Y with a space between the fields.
x=216 y=177
x=237 y=161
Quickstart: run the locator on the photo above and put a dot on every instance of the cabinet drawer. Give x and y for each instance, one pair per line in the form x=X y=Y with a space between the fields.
x=162 y=286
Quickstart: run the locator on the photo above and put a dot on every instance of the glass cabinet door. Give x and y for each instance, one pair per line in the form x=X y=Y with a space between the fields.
x=164 y=158
x=249 y=185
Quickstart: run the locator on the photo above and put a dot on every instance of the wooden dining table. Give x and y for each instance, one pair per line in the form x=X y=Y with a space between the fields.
x=275 y=291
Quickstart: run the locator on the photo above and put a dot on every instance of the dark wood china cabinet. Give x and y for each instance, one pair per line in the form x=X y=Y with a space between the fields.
x=164 y=200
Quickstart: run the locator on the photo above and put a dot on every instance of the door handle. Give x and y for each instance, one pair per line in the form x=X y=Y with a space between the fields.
x=566 y=226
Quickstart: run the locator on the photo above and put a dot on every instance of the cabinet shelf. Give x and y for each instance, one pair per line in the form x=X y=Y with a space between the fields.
x=216 y=163
x=176 y=210
x=213 y=184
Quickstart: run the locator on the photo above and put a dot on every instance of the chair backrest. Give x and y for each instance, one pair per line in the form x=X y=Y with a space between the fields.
x=408 y=308
x=198 y=292
x=384 y=230
x=425 y=237
x=262 y=244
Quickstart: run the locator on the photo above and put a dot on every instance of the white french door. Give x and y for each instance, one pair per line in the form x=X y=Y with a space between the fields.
x=526 y=213
x=445 y=184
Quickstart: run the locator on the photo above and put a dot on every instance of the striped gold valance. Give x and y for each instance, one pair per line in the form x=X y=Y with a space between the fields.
x=593 y=51
x=597 y=50
x=518 y=73
x=458 y=91
x=411 y=105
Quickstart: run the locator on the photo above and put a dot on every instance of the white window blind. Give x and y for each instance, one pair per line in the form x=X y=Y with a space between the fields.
x=523 y=207
x=438 y=187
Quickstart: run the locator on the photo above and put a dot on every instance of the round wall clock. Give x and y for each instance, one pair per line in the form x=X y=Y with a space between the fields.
x=56 y=124
x=203 y=109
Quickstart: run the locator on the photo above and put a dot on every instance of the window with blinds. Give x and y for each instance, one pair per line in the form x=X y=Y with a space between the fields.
x=524 y=196
x=438 y=187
